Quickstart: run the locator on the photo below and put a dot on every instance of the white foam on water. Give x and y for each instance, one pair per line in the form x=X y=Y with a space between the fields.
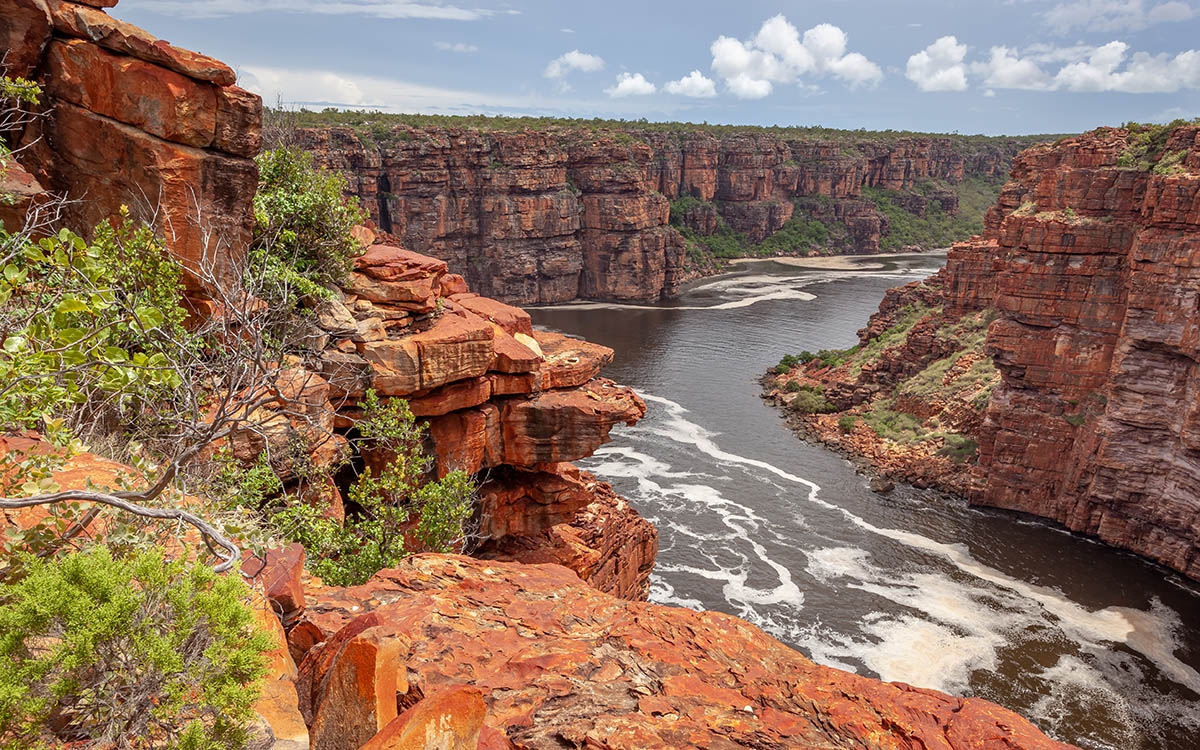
x=1081 y=687
x=966 y=617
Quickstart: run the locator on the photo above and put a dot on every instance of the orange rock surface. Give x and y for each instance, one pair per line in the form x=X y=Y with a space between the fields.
x=558 y=214
x=136 y=121
x=560 y=664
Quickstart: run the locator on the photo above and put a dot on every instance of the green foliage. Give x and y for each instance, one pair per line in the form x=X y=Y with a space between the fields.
x=394 y=127
x=302 y=224
x=958 y=448
x=1075 y=420
x=846 y=423
x=810 y=399
x=141 y=653
x=937 y=228
x=374 y=537
x=894 y=425
x=87 y=326
x=1144 y=149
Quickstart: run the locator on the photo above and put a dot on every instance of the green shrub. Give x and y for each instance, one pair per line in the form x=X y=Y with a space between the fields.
x=810 y=399
x=793 y=386
x=87 y=324
x=373 y=537
x=958 y=448
x=846 y=423
x=141 y=653
x=302 y=224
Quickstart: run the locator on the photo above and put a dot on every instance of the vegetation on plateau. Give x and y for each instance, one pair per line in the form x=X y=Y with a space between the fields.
x=101 y=637
x=937 y=228
x=1146 y=148
x=964 y=376
x=386 y=126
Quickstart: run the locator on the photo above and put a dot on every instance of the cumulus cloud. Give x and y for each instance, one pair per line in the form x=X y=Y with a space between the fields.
x=939 y=67
x=573 y=60
x=1109 y=67
x=324 y=87
x=373 y=8
x=1006 y=69
x=1115 y=15
x=778 y=54
x=631 y=84
x=456 y=47
x=694 y=84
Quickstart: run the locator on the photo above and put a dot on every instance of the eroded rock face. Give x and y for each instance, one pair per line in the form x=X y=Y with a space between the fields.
x=558 y=214
x=562 y=665
x=132 y=120
x=1097 y=282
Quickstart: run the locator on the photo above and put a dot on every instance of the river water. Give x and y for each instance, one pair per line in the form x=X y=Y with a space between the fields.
x=1095 y=646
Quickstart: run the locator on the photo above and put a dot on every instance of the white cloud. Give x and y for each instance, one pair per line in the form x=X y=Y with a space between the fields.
x=456 y=47
x=372 y=8
x=1108 y=69
x=1080 y=68
x=778 y=54
x=1115 y=15
x=573 y=60
x=323 y=87
x=1008 y=70
x=694 y=84
x=631 y=84
x=567 y=31
x=939 y=67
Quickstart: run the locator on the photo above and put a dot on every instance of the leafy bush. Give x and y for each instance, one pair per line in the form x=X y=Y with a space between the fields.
x=141 y=653
x=89 y=327
x=302 y=224
x=958 y=448
x=810 y=399
x=373 y=537
x=846 y=423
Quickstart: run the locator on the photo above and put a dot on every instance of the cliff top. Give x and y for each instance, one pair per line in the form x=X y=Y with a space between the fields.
x=380 y=124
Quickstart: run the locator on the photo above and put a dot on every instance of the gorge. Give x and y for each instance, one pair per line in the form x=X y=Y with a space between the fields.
x=543 y=637
x=534 y=212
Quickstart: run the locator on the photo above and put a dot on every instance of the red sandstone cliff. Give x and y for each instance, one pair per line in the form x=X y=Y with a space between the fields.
x=550 y=215
x=132 y=120
x=1092 y=259
x=558 y=664
x=1089 y=262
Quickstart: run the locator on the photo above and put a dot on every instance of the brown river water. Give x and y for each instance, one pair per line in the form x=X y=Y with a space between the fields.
x=1096 y=646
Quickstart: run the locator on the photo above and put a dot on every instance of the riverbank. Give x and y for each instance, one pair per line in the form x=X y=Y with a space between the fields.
x=875 y=262
x=907 y=401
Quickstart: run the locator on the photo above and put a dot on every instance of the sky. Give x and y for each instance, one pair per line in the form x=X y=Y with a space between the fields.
x=987 y=66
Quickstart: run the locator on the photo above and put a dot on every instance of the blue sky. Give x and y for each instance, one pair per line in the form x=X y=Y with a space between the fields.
x=995 y=67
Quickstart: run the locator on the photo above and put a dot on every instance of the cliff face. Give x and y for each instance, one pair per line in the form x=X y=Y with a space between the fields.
x=525 y=217
x=1090 y=265
x=543 y=216
x=132 y=120
x=1094 y=261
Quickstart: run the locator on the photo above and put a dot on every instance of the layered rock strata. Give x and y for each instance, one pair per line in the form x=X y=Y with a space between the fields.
x=1094 y=264
x=558 y=664
x=1089 y=262
x=545 y=216
x=131 y=120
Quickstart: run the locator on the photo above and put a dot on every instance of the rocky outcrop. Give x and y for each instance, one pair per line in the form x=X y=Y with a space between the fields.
x=1093 y=248
x=561 y=213
x=1088 y=265
x=558 y=664
x=132 y=120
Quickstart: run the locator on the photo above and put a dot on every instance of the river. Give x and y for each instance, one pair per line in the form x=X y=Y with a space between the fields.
x=1095 y=646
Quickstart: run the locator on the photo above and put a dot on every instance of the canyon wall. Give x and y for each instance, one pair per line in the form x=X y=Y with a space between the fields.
x=128 y=119
x=1093 y=258
x=1090 y=268
x=559 y=213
